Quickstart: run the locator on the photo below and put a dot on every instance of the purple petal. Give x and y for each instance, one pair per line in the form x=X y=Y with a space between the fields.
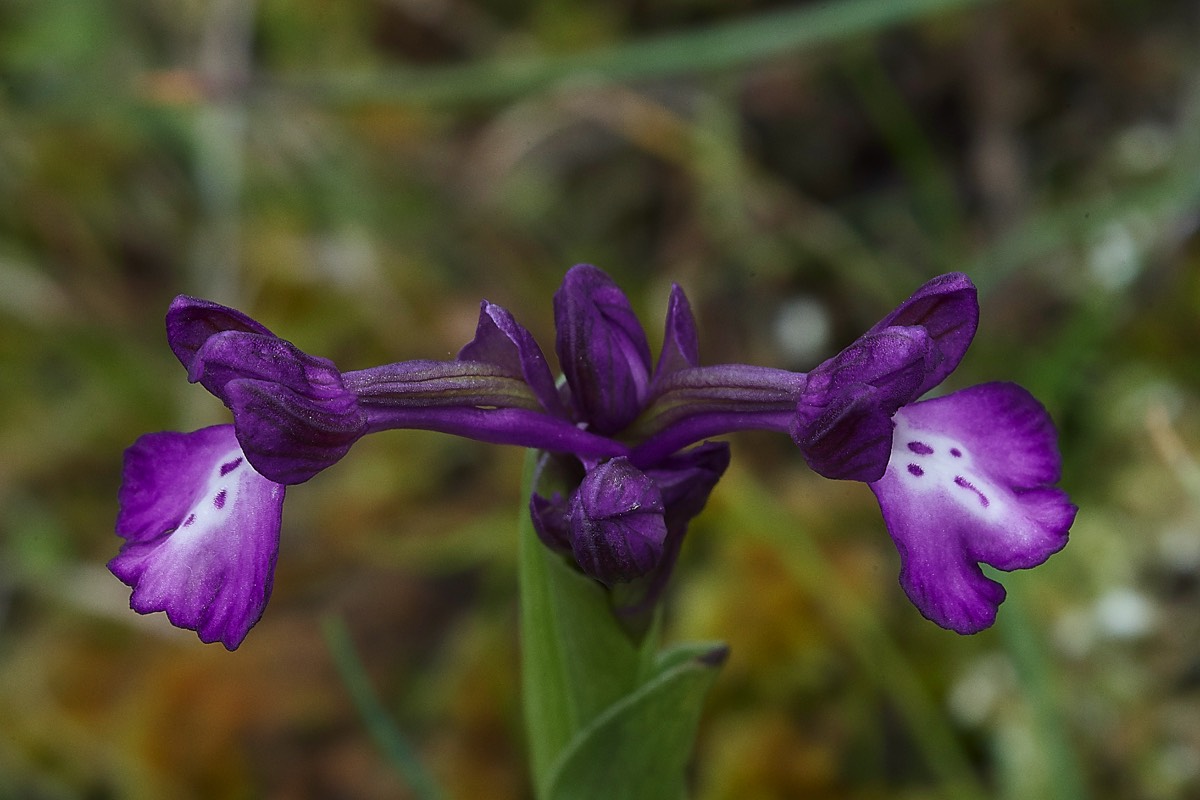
x=843 y=421
x=500 y=340
x=617 y=527
x=290 y=436
x=192 y=321
x=202 y=532
x=556 y=477
x=681 y=347
x=602 y=349
x=968 y=482
x=550 y=521
x=292 y=413
x=293 y=416
x=685 y=480
x=232 y=355
x=948 y=309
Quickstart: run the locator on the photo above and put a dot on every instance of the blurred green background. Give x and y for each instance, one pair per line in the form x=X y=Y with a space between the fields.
x=357 y=174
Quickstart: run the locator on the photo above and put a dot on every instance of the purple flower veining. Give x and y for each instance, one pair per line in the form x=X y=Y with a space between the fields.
x=962 y=480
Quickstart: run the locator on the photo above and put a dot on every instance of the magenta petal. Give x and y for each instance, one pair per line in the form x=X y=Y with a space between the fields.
x=202 y=532
x=842 y=422
x=968 y=482
x=233 y=355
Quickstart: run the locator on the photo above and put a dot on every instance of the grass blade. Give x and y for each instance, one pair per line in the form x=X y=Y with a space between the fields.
x=381 y=727
x=705 y=51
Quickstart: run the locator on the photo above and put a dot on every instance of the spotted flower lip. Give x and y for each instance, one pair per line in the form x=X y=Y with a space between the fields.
x=201 y=532
x=970 y=481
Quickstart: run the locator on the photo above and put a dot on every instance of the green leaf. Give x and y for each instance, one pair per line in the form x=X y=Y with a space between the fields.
x=576 y=661
x=639 y=748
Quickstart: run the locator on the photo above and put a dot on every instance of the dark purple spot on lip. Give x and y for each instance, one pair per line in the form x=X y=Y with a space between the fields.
x=913 y=469
x=954 y=451
x=959 y=480
x=219 y=500
x=230 y=467
x=920 y=448
x=190 y=519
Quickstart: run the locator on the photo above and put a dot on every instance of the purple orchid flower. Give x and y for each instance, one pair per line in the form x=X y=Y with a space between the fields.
x=961 y=480
x=201 y=512
x=969 y=481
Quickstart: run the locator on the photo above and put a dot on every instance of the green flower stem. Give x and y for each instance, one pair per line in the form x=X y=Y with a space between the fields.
x=606 y=718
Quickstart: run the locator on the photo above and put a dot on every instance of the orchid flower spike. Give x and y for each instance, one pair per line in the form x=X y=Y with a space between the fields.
x=627 y=462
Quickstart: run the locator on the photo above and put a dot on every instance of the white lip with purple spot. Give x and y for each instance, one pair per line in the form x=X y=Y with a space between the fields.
x=925 y=461
x=215 y=502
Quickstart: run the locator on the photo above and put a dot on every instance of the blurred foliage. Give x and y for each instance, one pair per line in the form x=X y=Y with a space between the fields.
x=359 y=174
